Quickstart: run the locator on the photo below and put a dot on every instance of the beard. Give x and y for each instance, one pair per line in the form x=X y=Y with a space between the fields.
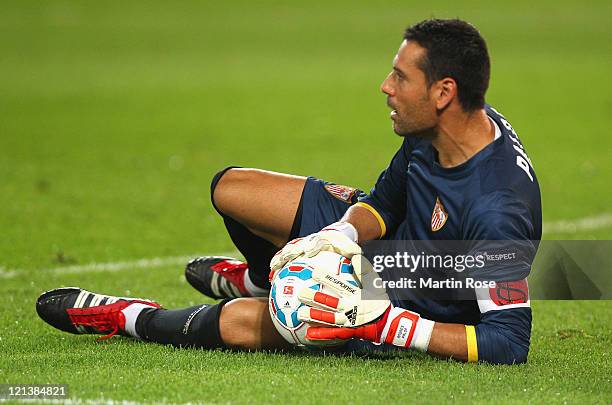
x=416 y=120
x=408 y=128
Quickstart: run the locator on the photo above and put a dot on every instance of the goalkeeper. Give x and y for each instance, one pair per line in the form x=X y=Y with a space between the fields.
x=461 y=173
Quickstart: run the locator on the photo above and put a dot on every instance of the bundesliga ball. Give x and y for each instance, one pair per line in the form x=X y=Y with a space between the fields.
x=286 y=286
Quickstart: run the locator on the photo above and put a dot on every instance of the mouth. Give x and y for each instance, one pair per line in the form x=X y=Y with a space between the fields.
x=393 y=110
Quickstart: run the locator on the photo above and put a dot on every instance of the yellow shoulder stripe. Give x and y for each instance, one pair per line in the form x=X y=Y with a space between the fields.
x=381 y=222
x=472 y=344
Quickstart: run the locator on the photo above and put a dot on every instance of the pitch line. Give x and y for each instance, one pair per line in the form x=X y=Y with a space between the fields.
x=149 y=263
x=580 y=224
x=556 y=227
x=122 y=265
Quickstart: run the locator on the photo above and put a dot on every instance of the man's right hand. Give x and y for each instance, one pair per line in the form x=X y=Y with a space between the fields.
x=339 y=237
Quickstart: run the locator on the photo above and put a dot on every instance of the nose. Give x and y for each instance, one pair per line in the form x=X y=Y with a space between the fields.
x=385 y=87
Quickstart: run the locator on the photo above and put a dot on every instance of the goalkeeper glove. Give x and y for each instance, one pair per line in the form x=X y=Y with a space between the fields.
x=397 y=326
x=339 y=237
x=371 y=318
x=344 y=305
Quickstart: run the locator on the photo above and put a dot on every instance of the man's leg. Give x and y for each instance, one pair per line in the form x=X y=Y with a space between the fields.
x=242 y=324
x=261 y=211
x=264 y=202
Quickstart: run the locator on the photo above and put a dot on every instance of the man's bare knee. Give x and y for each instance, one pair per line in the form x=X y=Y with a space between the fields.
x=265 y=202
x=229 y=187
x=245 y=324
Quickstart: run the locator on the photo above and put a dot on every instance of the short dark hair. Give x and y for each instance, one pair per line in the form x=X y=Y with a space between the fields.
x=455 y=49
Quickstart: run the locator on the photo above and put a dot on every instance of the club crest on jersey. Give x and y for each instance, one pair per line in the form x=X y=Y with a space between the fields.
x=343 y=193
x=439 y=216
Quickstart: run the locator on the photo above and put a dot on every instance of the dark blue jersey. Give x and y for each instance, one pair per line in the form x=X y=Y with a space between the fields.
x=493 y=196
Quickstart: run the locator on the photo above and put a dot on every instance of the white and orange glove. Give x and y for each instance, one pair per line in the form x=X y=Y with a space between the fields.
x=339 y=237
x=354 y=312
x=397 y=326
x=341 y=303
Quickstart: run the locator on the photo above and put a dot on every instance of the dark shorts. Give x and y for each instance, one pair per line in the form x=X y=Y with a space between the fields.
x=322 y=204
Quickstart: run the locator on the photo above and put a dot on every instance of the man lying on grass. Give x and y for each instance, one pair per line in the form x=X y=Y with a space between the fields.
x=461 y=173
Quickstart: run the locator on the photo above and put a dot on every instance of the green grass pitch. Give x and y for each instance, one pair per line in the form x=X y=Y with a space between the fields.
x=115 y=115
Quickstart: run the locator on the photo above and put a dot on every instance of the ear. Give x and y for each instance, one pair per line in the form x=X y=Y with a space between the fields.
x=445 y=92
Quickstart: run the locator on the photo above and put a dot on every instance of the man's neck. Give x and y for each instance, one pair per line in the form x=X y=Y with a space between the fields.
x=461 y=135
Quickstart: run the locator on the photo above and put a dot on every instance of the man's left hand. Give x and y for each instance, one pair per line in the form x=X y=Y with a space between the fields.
x=343 y=304
x=372 y=318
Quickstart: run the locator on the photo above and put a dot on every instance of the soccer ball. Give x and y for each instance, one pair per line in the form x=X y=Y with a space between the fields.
x=286 y=286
